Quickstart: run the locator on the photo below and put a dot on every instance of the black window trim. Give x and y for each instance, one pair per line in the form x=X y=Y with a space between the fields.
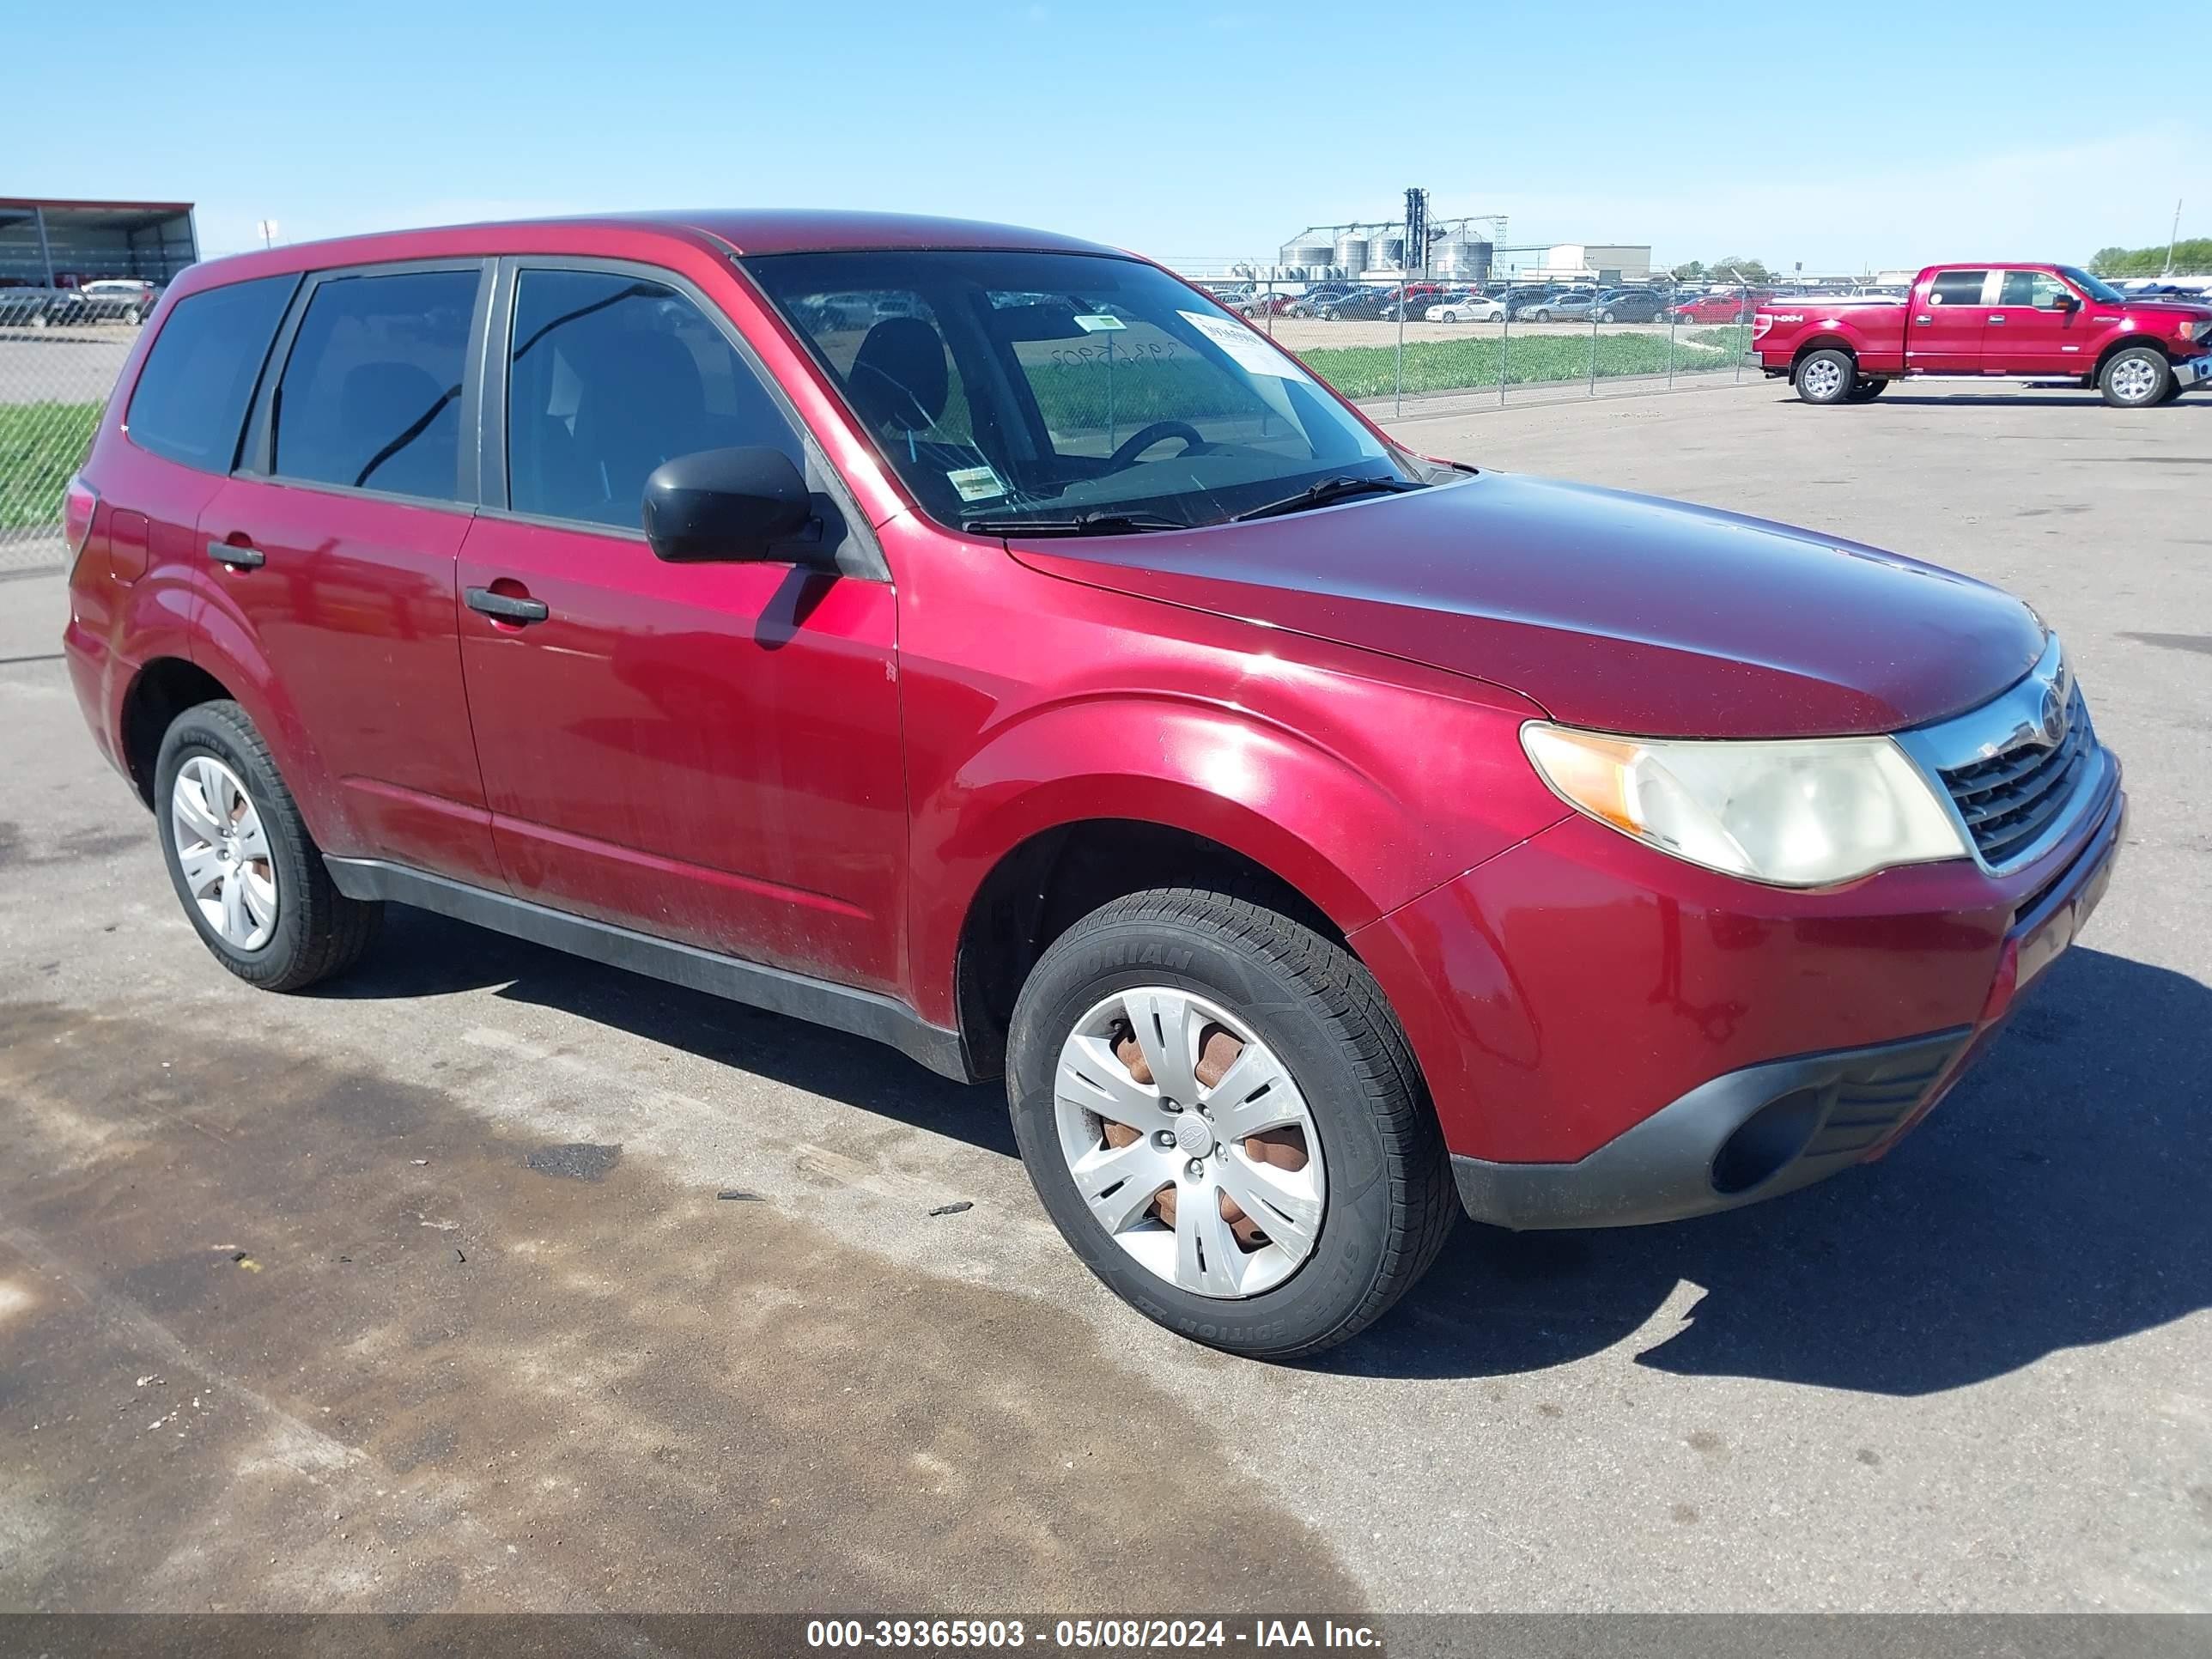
x=864 y=556
x=260 y=374
x=260 y=436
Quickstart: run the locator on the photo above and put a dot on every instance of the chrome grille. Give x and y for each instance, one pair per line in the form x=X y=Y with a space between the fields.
x=2010 y=798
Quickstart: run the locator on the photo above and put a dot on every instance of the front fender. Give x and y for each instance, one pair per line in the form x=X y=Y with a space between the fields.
x=1347 y=810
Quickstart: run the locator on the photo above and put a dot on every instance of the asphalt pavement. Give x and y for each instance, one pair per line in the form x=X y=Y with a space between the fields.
x=491 y=1279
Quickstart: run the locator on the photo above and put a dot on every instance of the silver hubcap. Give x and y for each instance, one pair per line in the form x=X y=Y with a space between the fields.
x=1190 y=1142
x=1824 y=379
x=223 y=851
x=2134 y=380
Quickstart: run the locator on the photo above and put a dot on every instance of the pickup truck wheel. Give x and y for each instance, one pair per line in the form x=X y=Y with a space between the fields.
x=1868 y=387
x=1826 y=377
x=252 y=878
x=2134 y=378
x=1221 y=1116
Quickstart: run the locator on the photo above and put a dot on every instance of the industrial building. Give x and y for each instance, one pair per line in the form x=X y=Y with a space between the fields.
x=60 y=244
x=1597 y=262
x=1456 y=251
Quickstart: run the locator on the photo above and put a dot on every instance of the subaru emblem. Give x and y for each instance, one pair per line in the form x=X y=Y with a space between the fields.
x=2051 y=724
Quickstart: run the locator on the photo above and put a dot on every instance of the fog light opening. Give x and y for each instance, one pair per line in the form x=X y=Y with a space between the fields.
x=1766 y=1141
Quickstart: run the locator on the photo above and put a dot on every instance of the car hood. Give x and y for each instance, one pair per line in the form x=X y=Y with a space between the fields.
x=1615 y=612
x=2155 y=309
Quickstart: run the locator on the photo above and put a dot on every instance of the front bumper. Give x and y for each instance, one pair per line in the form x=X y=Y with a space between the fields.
x=1779 y=1037
x=2193 y=372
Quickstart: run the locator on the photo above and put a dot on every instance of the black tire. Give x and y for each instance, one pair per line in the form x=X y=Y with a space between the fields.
x=1868 y=387
x=2122 y=372
x=319 y=932
x=1391 y=1199
x=1605 y=316
x=1826 y=377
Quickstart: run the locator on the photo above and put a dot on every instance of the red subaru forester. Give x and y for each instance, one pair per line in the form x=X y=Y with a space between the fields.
x=982 y=642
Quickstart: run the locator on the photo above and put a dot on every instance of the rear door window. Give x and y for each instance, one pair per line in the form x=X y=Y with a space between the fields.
x=1958 y=288
x=189 y=405
x=371 y=396
x=608 y=376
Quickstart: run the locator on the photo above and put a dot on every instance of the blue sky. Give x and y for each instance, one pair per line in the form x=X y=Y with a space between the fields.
x=1845 y=137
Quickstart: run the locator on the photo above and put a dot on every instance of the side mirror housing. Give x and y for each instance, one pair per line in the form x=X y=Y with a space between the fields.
x=2069 y=302
x=727 y=504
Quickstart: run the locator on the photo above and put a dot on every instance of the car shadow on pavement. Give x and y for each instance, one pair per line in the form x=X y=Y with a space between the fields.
x=425 y=955
x=2061 y=1197
x=2069 y=397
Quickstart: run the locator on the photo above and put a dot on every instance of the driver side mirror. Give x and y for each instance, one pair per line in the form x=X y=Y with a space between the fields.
x=728 y=504
x=2068 y=302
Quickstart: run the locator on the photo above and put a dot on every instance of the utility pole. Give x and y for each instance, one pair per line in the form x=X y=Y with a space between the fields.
x=2172 y=236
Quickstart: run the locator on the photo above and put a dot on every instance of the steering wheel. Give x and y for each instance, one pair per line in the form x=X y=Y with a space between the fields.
x=1137 y=443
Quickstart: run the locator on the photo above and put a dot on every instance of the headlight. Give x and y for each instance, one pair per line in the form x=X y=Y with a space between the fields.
x=1798 y=814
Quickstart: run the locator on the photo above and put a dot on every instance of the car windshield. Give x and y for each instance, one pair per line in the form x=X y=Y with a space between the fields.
x=2096 y=287
x=1069 y=391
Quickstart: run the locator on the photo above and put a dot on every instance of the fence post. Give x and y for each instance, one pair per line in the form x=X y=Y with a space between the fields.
x=1504 y=341
x=1398 y=394
x=1673 y=320
x=1593 y=373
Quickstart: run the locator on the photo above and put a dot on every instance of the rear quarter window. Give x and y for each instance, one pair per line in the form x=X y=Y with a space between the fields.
x=189 y=405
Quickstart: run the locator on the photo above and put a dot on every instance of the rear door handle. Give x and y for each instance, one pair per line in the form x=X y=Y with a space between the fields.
x=1995 y=317
x=504 y=607
x=236 y=556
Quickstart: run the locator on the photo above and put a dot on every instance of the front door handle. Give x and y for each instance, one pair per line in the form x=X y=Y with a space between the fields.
x=1996 y=318
x=237 y=557
x=505 y=606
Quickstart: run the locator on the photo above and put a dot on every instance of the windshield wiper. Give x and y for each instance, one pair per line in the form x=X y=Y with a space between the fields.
x=1328 y=489
x=1099 y=523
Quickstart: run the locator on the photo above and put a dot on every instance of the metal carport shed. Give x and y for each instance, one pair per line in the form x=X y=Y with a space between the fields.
x=54 y=244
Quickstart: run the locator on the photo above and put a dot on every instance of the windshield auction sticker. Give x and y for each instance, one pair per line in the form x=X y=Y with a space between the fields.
x=975 y=483
x=1246 y=349
x=1102 y=322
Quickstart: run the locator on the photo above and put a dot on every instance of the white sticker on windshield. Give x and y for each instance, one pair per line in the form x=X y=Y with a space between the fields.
x=1100 y=323
x=1245 y=349
x=975 y=483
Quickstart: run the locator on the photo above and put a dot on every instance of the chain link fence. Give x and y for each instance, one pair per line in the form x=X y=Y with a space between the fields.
x=1519 y=331
x=59 y=355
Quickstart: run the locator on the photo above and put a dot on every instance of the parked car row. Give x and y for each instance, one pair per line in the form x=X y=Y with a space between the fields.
x=110 y=299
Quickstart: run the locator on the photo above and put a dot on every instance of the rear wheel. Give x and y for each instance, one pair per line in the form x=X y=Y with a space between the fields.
x=1826 y=377
x=2134 y=378
x=1219 y=1113
x=251 y=878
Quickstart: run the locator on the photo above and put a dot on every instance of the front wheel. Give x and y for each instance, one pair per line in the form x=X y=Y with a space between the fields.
x=1826 y=377
x=1220 y=1116
x=2135 y=377
x=1605 y=316
x=251 y=880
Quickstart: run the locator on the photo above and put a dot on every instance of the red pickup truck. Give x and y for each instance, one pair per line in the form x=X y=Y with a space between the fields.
x=1989 y=322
